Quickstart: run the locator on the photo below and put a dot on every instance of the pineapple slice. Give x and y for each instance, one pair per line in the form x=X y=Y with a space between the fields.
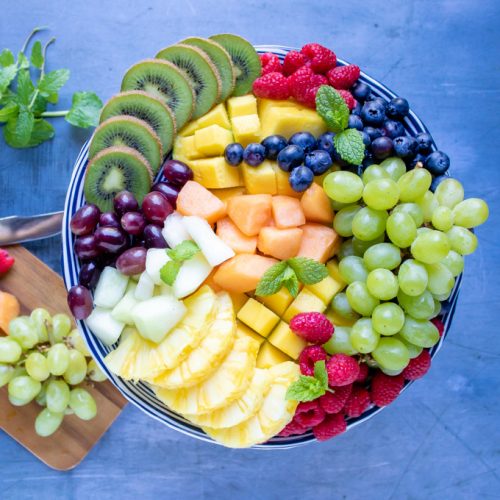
x=117 y=359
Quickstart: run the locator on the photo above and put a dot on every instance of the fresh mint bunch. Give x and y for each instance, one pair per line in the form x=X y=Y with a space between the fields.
x=24 y=101
x=308 y=388
x=180 y=253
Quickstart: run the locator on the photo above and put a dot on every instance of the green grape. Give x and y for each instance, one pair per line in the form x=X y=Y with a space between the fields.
x=437 y=308
x=454 y=262
x=462 y=240
x=42 y=321
x=18 y=401
x=41 y=398
x=381 y=194
x=346 y=249
x=441 y=280
x=449 y=193
x=37 y=366
x=75 y=341
x=382 y=256
x=83 y=404
x=343 y=220
x=95 y=373
x=341 y=306
x=22 y=330
x=353 y=269
x=419 y=306
x=391 y=373
x=343 y=186
x=360 y=246
x=388 y=318
x=19 y=370
x=395 y=167
x=414 y=184
x=363 y=337
x=423 y=230
x=427 y=204
x=401 y=229
x=430 y=247
x=391 y=354
x=77 y=368
x=442 y=218
x=369 y=224
x=442 y=296
x=10 y=350
x=471 y=212
x=337 y=205
x=47 y=422
x=24 y=388
x=412 y=277
x=374 y=172
x=61 y=326
x=414 y=350
x=58 y=359
x=340 y=342
x=411 y=209
x=420 y=332
x=57 y=396
x=382 y=284
x=6 y=374
x=360 y=298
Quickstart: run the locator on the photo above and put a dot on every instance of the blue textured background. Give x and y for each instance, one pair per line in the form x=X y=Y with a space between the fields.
x=441 y=438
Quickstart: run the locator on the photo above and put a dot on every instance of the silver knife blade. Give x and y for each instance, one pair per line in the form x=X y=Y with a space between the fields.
x=20 y=229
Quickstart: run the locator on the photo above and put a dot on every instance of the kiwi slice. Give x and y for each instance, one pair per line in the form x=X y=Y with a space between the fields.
x=131 y=132
x=163 y=80
x=245 y=59
x=113 y=170
x=141 y=105
x=222 y=61
x=201 y=72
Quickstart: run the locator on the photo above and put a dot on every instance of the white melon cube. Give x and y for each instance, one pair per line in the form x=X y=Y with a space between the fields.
x=145 y=287
x=156 y=258
x=110 y=288
x=174 y=231
x=163 y=289
x=123 y=310
x=104 y=326
x=192 y=274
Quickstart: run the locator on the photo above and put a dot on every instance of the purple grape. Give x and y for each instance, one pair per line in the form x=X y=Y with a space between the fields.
x=89 y=274
x=85 y=220
x=170 y=192
x=132 y=261
x=177 y=173
x=133 y=222
x=153 y=237
x=156 y=207
x=86 y=247
x=109 y=219
x=124 y=202
x=110 y=239
x=80 y=301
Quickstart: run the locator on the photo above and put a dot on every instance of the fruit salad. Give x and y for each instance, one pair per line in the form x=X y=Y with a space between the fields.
x=263 y=241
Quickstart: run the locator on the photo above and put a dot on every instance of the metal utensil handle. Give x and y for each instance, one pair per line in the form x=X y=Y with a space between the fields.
x=19 y=229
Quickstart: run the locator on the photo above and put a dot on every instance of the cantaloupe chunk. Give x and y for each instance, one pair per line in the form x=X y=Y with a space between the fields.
x=316 y=205
x=280 y=243
x=9 y=309
x=250 y=212
x=211 y=283
x=243 y=272
x=287 y=212
x=194 y=199
x=318 y=242
x=228 y=232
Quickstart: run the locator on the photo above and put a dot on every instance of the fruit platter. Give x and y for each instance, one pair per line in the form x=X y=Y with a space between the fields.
x=262 y=246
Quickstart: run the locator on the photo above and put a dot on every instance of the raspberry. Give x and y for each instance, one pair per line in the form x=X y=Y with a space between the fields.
x=308 y=358
x=332 y=426
x=309 y=414
x=312 y=326
x=322 y=59
x=358 y=402
x=6 y=261
x=292 y=428
x=304 y=84
x=293 y=61
x=385 y=389
x=270 y=63
x=342 y=370
x=343 y=77
x=333 y=402
x=363 y=372
x=348 y=98
x=272 y=86
x=418 y=366
x=439 y=325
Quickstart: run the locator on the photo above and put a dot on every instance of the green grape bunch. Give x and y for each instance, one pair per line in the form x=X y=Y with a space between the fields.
x=44 y=359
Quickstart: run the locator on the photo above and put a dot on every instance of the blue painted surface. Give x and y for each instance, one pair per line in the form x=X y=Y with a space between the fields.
x=441 y=438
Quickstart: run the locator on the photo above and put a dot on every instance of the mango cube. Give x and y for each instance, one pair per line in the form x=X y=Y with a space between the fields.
x=215 y=173
x=269 y=356
x=242 y=105
x=212 y=140
x=278 y=302
x=333 y=270
x=285 y=340
x=238 y=299
x=258 y=317
x=246 y=129
x=338 y=320
x=185 y=147
x=216 y=116
x=326 y=289
x=228 y=193
x=282 y=184
x=242 y=329
x=261 y=179
x=306 y=301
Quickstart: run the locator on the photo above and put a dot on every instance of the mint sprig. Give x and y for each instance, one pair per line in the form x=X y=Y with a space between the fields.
x=308 y=388
x=332 y=108
x=180 y=253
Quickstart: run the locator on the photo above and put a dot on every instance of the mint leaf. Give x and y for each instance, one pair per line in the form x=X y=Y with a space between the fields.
x=37 y=55
x=183 y=251
x=308 y=271
x=332 y=108
x=8 y=112
x=85 y=110
x=7 y=75
x=321 y=374
x=24 y=87
x=22 y=61
x=272 y=280
x=51 y=82
x=169 y=272
x=349 y=145
x=290 y=281
x=39 y=106
x=42 y=131
x=18 y=130
x=7 y=58
x=305 y=389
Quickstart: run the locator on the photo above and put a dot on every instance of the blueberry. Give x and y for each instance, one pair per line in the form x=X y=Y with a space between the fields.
x=398 y=108
x=355 y=122
x=436 y=181
x=437 y=163
x=357 y=109
x=373 y=132
x=254 y=154
x=301 y=178
x=373 y=113
x=318 y=161
x=274 y=144
x=304 y=140
x=405 y=146
x=355 y=169
x=289 y=157
x=393 y=129
x=360 y=91
x=368 y=160
x=424 y=142
x=418 y=158
x=380 y=100
x=382 y=147
x=325 y=142
x=366 y=139
x=234 y=153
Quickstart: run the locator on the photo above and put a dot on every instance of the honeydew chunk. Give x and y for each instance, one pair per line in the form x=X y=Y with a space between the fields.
x=174 y=231
x=110 y=288
x=123 y=310
x=156 y=258
x=192 y=274
x=145 y=287
x=104 y=326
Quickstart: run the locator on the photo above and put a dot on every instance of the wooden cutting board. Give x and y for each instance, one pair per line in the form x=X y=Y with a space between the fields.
x=36 y=285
